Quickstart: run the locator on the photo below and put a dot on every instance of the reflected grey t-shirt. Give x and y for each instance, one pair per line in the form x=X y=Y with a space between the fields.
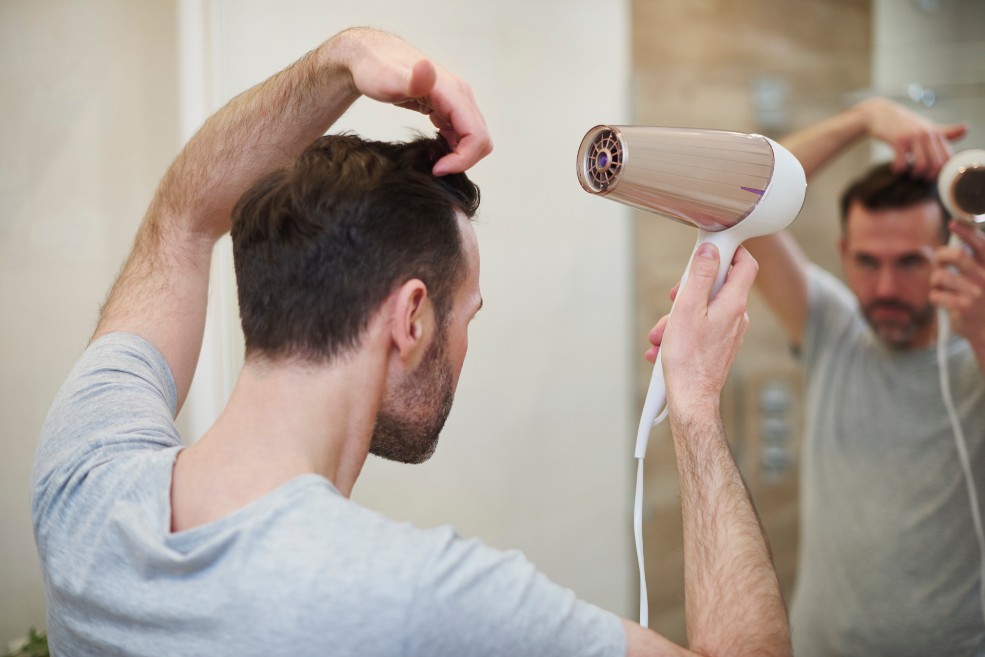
x=301 y=571
x=889 y=561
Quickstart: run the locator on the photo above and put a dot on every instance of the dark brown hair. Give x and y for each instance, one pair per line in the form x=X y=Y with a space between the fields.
x=881 y=188
x=319 y=245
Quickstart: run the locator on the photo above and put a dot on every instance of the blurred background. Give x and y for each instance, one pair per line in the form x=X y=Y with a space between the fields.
x=98 y=97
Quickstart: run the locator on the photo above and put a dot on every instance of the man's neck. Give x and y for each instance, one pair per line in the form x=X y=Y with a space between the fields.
x=283 y=420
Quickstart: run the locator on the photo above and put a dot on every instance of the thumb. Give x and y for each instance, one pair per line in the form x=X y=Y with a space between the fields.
x=422 y=79
x=701 y=276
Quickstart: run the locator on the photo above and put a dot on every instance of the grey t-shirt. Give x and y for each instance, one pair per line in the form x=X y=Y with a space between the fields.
x=889 y=562
x=301 y=571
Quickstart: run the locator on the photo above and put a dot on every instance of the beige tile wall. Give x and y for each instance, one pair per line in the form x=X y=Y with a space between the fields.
x=698 y=64
x=88 y=104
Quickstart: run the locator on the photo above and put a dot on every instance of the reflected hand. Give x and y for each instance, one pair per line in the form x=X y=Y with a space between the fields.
x=920 y=145
x=958 y=283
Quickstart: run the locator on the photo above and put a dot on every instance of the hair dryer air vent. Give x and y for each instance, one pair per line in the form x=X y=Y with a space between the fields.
x=969 y=191
x=961 y=185
x=605 y=158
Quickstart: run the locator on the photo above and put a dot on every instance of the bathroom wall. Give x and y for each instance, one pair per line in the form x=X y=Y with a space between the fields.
x=87 y=99
x=933 y=51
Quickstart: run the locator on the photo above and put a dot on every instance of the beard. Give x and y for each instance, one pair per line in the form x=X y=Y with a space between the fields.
x=898 y=334
x=410 y=420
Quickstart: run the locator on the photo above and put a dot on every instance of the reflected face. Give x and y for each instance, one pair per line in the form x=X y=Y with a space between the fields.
x=887 y=256
x=411 y=418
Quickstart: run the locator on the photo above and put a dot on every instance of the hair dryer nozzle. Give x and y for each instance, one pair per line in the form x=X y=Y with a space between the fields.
x=961 y=185
x=711 y=179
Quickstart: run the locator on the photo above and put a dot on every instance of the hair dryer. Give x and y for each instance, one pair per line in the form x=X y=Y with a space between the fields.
x=730 y=186
x=961 y=185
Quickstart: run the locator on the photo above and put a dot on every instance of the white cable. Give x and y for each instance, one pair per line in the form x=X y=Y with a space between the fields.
x=638 y=530
x=638 y=533
x=943 y=323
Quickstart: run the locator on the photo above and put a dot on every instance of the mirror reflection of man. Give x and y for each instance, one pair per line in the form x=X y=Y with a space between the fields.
x=889 y=562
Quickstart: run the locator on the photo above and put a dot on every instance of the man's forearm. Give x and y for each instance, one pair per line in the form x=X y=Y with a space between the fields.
x=732 y=597
x=162 y=292
x=819 y=143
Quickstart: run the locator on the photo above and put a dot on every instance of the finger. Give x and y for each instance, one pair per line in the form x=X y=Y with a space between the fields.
x=955 y=131
x=656 y=339
x=657 y=332
x=740 y=277
x=468 y=149
x=701 y=278
x=946 y=258
x=901 y=158
x=940 y=152
x=971 y=237
x=919 y=158
x=947 y=279
x=462 y=125
x=674 y=290
x=953 y=301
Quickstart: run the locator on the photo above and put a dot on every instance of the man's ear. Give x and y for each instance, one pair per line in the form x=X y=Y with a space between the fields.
x=413 y=322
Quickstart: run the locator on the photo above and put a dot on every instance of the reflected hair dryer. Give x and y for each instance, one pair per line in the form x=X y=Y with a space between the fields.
x=961 y=186
x=730 y=186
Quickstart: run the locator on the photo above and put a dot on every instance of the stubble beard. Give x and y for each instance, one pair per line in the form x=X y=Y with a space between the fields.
x=408 y=425
x=899 y=335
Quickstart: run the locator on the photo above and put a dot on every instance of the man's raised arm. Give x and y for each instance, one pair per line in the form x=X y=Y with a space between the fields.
x=162 y=291
x=732 y=598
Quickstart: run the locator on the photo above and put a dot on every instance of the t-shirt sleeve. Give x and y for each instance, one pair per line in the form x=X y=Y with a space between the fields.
x=499 y=604
x=832 y=311
x=120 y=397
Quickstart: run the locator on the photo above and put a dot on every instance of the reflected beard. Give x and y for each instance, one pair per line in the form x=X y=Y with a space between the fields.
x=408 y=425
x=898 y=335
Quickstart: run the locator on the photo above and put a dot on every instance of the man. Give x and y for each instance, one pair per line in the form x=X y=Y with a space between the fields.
x=889 y=562
x=358 y=273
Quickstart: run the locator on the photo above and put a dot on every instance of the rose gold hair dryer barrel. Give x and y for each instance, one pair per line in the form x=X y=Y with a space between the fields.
x=730 y=186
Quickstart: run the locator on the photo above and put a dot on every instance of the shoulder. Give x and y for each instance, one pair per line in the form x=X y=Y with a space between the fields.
x=831 y=305
x=118 y=398
x=440 y=593
x=827 y=293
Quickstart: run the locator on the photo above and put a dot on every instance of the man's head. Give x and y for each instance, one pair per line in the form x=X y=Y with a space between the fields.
x=891 y=224
x=319 y=246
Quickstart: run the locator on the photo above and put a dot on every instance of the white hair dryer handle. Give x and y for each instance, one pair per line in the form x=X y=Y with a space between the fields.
x=727 y=242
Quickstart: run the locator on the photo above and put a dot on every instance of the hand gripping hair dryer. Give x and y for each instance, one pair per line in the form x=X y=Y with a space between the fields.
x=730 y=186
